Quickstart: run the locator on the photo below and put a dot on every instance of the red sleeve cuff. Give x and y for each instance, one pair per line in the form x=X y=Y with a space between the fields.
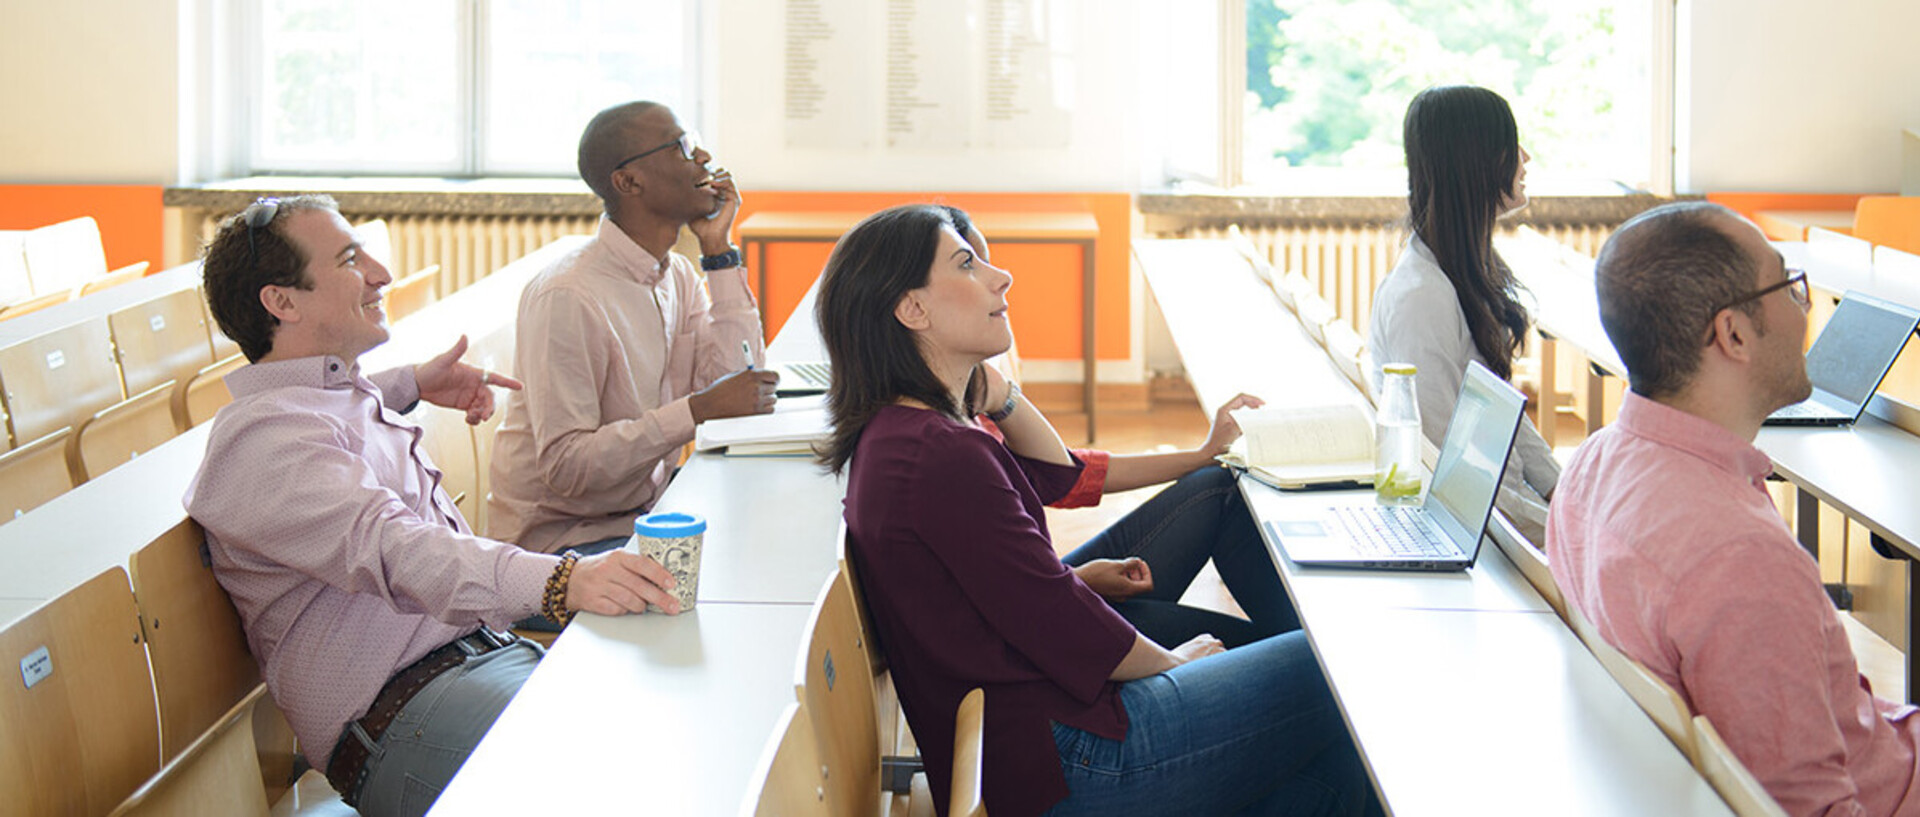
x=1093 y=480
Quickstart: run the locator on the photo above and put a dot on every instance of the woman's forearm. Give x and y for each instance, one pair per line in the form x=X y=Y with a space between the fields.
x=1146 y=658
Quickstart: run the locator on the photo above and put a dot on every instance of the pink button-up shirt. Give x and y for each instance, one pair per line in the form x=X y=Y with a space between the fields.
x=344 y=557
x=610 y=342
x=1662 y=532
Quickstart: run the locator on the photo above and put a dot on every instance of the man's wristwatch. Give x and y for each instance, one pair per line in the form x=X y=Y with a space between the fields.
x=1006 y=409
x=725 y=260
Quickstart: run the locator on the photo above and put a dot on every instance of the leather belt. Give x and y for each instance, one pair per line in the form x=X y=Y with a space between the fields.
x=349 y=762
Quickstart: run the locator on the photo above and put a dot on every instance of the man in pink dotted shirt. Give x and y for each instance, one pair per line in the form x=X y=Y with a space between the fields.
x=369 y=603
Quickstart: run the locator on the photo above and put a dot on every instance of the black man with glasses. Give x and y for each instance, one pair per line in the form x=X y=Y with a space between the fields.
x=625 y=345
x=369 y=603
x=1662 y=532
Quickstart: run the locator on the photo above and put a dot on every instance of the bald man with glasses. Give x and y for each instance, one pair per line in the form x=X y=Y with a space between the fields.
x=625 y=345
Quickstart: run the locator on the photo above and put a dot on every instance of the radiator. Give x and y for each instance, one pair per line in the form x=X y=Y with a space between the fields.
x=467 y=248
x=1345 y=262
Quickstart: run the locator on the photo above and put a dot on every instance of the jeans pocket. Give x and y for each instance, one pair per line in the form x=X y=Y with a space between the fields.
x=417 y=795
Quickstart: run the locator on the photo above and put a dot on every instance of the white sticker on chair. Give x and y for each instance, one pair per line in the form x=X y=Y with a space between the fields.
x=157 y=322
x=56 y=359
x=36 y=667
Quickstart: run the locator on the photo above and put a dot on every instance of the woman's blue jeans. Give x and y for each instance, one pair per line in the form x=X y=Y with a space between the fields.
x=1201 y=516
x=1252 y=730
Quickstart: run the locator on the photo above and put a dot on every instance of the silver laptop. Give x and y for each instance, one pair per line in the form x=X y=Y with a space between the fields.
x=1444 y=532
x=1849 y=359
x=801 y=379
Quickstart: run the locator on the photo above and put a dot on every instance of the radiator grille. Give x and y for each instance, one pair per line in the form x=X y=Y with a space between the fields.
x=467 y=248
x=1345 y=262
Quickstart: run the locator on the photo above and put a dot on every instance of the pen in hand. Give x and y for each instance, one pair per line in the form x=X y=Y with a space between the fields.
x=746 y=355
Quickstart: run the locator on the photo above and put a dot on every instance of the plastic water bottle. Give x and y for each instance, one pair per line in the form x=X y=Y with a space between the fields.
x=1397 y=437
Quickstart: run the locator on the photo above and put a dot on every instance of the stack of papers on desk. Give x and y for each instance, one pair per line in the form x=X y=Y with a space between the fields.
x=790 y=431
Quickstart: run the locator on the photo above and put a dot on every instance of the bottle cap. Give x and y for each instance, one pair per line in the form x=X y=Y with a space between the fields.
x=669 y=525
x=1398 y=368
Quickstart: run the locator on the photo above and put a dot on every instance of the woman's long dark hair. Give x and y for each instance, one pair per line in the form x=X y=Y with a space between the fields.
x=876 y=360
x=1462 y=153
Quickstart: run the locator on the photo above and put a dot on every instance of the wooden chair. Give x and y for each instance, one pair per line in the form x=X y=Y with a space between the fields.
x=34 y=473
x=201 y=664
x=412 y=293
x=910 y=797
x=15 y=284
x=83 y=736
x=59 y=379
x=202 y=396
x=120 y=432
x=35 y=304
x=1314 y=313
x=835 y=685
x=1262 y=267
x=1532 y=563
x=161 y=339
x=788 y=779
x=127 y=274
x=1730 y=777
x=968 y=799
x=61 y=257
x=223 y=346
x=1661 y=702
x=1889 y=221
x=219 y=773
x=1345 y=347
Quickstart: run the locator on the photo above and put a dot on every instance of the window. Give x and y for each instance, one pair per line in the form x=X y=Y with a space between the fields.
x=1328 y=82
x=452 y=87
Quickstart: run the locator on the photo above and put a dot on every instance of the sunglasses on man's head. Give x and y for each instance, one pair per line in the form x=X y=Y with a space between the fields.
x=257 y=215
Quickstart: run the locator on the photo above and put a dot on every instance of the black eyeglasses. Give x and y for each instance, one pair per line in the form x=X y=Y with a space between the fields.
x=1795 y=285
x=257 y=215
x=688 y=142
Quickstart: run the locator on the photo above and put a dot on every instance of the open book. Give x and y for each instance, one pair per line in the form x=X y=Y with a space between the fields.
x=791 y=430
x=1305 y=445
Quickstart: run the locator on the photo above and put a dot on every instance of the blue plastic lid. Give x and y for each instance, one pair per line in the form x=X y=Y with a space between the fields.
x=669 y=525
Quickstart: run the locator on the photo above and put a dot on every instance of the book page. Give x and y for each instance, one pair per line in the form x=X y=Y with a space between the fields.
x=1306 y=435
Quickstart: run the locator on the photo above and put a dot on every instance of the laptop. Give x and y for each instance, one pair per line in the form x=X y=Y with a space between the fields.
x=1849 y=359
x=802 y=379
x=1444 y=532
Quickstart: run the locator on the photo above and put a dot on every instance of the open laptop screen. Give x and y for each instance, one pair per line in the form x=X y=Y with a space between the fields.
x=1468 y=473
x=1859 y=342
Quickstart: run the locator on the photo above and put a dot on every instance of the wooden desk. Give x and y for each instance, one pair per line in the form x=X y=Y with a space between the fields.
x=646 y=714
x=771 y=525
x=1080 y=229
x=1488 y=713
x=1561 y=282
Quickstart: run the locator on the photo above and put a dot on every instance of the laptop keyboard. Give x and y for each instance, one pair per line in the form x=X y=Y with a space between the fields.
x=1390 y=531
x=1804 y=408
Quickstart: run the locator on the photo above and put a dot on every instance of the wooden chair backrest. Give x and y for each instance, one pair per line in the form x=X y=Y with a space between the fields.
x=788 y=781
x=219 y=773
x=59 y=379
x=35 y=304
x=412 y=293
x=34 y=473
x=1730 y=777
x=223 y=346
x=968 y=798
x=1890 y=221
x=161 y=339
x=201 y=663
x=127 y=274
x=120 y=432
x=62 y=256
x=83 y=736
x=205 y=393
x=1661 y=702
x=1314 y=313
x=1344 y=347
x=15 y=284
x=836 y=687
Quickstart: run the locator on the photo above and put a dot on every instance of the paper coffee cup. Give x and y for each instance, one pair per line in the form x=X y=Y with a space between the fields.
x=673 y=540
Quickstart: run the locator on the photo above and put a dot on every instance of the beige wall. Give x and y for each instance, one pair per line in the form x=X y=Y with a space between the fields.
x=1788 y=95
x=90 y=90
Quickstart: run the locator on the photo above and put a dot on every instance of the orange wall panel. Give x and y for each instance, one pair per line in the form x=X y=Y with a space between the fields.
x=1046 y=296
x=130 y=216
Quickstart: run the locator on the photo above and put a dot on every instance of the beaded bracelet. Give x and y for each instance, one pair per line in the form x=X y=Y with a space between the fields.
x=553 y=605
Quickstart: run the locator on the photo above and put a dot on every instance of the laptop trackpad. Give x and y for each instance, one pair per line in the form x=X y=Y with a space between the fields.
x=1295 y=528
